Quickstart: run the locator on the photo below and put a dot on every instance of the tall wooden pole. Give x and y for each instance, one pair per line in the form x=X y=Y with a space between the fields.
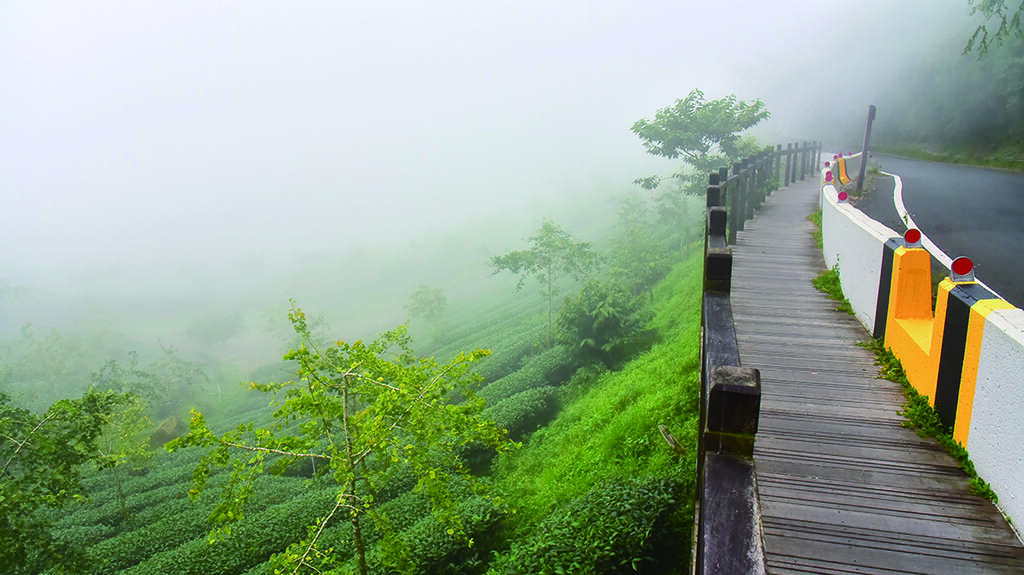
x=864 y=148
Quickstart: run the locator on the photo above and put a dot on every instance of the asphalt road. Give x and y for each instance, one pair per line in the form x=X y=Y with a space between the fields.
x=966 y=211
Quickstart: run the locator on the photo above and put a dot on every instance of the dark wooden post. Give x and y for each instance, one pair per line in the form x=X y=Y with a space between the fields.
x=714 y=191
x=789 y=162
x=736 y=203
x=803 y=162
x=864 y=147
x=749 y=193
x=775 y=172
x=763 y=168
x=730 y=513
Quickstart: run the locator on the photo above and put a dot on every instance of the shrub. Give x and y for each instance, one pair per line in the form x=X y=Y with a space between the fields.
x=550 y=367
x=610 y=529
x=525 y=411
x=604 y=324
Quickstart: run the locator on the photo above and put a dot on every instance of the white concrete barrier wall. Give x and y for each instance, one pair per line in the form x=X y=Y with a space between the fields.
x=996 y=438
x=854 y=241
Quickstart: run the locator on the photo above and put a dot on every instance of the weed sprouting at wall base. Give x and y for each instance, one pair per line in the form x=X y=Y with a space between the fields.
x=827 y=283
x=922 y=417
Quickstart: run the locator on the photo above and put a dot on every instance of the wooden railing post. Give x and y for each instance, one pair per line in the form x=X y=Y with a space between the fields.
x=789 y=162
x=749 y=192
x=727 y=515
x=736 y=203
x=803 y=161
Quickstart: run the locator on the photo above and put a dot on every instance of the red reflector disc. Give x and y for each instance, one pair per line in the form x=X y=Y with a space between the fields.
x=828 y=164
x=828 y=176
x=912 y=236
x=962 y=266
x=843 y=196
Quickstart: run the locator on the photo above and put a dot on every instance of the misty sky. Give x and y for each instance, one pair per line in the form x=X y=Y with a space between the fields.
x=146 y=143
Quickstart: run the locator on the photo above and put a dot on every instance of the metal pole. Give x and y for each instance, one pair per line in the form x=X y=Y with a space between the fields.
x=864 y=148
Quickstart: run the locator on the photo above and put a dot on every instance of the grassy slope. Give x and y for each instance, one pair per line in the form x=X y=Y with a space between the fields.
x=606 y=431
x=610 y=431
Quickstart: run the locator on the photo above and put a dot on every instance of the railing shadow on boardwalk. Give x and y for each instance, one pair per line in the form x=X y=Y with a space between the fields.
x=728 y=535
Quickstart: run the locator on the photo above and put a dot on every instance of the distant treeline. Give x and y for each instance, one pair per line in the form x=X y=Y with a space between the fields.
x=959 y=107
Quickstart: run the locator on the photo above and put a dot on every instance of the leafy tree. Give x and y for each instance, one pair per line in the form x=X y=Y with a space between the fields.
x=130 y=378
x=179 y=379
x=1007 y=17
x=356 y=409
x=427 y=302
x=699 y=131
x=40 y=459
x=602 y=323
x=639 y=254
x=124 y=444
x=552 y=255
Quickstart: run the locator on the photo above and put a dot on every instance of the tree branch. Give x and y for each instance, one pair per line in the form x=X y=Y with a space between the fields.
x=277 y=451
x=22 y=444
x=302 y=560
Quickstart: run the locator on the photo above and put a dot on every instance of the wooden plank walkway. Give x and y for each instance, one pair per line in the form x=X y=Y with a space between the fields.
x=844 y=488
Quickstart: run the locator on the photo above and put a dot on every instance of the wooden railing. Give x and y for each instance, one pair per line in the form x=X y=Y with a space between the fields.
x=728 y=537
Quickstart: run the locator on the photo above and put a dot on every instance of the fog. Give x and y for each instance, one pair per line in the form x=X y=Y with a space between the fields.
x=163 y=165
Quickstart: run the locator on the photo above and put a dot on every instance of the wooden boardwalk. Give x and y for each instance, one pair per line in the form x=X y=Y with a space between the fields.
x=844 y=488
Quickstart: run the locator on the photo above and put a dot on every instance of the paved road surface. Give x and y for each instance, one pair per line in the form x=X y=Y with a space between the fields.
x=966 y=211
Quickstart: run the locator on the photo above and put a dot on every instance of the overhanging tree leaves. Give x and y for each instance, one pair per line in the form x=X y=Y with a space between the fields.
x=1008 y=18
x=359 y=408
x=553 y=254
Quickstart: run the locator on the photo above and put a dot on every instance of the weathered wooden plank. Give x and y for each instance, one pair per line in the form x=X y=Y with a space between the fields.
x=844 y=487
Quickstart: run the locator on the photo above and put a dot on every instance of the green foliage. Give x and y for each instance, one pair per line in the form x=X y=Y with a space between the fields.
x=603 y=323
x=170 y=530
x=828 y=283
x=640 y=256
x=553 y=254
x=693 y=127
x=1007 y=17
x=427 y=302
x=609 y=432
x=525 y=411
x=550 y=367
x=699 y=131
x=41 y=457
x=815 y=218
x=923 y=418
x=358 y=408
x=124 y=444
x=957 y=108
x=607 y=530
